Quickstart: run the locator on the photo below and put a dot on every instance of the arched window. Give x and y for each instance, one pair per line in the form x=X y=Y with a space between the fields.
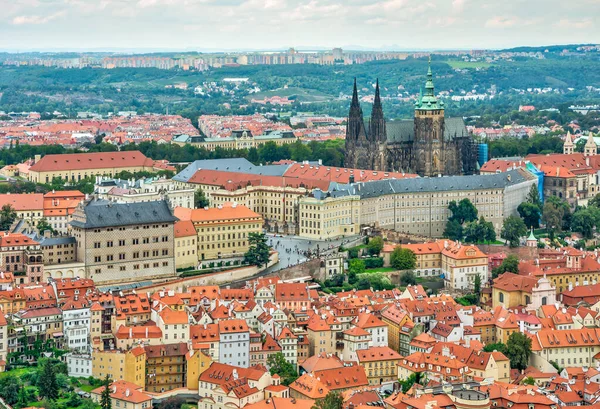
x=501 y=297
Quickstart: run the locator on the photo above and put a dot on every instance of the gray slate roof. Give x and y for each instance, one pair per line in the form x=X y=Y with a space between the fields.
x=103 y=213
x=230 y=165
x=404 y=130
x=440 y=184
x=51 y=241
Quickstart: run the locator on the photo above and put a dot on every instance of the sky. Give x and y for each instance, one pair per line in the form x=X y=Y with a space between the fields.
x=278 y=24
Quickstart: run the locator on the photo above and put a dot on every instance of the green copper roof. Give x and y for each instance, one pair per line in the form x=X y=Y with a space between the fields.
x=531 y=236
x=429 y=101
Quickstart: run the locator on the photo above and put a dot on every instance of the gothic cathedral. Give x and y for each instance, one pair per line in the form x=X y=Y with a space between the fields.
x=429 y=145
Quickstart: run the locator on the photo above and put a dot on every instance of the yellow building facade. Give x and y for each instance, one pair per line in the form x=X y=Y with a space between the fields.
x=223 y=231
x=324 y=217
x=129 y=365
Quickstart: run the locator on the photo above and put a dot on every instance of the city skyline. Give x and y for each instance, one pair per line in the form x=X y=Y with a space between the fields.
x=229 y=25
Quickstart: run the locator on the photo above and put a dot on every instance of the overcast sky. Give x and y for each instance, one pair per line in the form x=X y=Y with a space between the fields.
x=270 y=24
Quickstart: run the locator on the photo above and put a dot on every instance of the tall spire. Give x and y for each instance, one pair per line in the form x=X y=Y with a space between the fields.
x=429 y=88
x=354 y=95
x=429 y=101
x=377 y=130
x=377 y=101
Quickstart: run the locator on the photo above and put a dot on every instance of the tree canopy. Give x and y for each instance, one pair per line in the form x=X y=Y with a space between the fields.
x=513 y=229
x=258 y=251
x=403 y=259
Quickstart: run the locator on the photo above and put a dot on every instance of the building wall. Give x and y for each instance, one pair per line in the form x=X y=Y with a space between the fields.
x=381 y=371
x=234 y=349
x=119 y=365
x=223 y=239
x=330 y=217
x=76 y=175
x=186 y=252
x=126 y=253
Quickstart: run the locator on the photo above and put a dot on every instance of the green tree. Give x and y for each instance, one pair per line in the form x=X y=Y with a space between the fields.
x=375 y=246
x=9 y=388
x=105 y=401
x=403 y=259
x=47 y=383
x=530 y=214
x=333 y=400
x=7 y=217
x=498 y=346
x=556 y=215
x=408 y=383
x=518 y=350
x=355 y=267
x=453 y=230
x=584 y=220
x=278 y=365
x=200 y=199
x=513 y=229
x=464 y=211
x=477 y=285
x=43 y=226
x=258 y=251
x=408 y=278
x=529 y=381
x=533 y=196
x=510 y=264
x=595 y=201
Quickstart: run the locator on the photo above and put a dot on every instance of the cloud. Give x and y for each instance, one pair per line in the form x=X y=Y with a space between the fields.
x=36 y=19
x=579 y=24
x=409 y=24
x=501 y=22
x=458 y=5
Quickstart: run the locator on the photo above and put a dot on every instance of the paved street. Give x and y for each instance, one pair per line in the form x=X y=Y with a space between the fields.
x=293 y=250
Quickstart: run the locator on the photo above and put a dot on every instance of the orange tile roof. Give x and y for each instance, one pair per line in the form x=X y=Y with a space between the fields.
x=125 y=391
x=226 y=213
x=375 y=354
x=170 y=316
x=15 y=240
x=501 y=165
x=184 y=228
x=94 y=160
x=322 y=361
x=366 y=320
x=514 y=282
x=340 y=175
x=291 y=292
x=23 y=202
x=139 y=332
x=233 y=326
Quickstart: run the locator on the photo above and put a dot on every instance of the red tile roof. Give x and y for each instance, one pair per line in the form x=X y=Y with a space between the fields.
x=94 y=160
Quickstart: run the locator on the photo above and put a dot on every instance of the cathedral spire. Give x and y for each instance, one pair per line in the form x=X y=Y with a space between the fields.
x=377 y=130
x=354 y=95
x=429 y=101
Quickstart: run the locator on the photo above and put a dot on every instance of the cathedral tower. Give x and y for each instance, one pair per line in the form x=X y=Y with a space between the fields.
x=429 y=155
x=377 y=133
x=357 y=149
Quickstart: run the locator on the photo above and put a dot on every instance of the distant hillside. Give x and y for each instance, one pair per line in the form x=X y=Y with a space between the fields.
x=550 y=48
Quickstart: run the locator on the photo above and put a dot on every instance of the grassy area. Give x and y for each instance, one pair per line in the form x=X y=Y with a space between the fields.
x=87 y=387
x=18 y=372
x=468 y=64
x=380 y=270
x=301 y=94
